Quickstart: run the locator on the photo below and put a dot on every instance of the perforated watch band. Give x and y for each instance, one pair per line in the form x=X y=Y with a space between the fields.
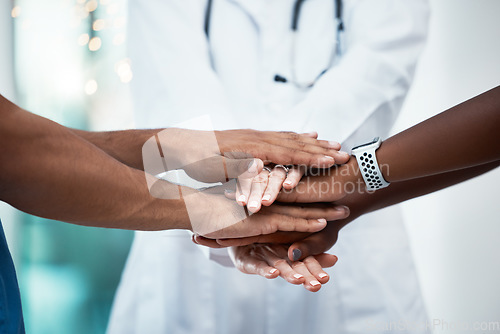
x=368 y=165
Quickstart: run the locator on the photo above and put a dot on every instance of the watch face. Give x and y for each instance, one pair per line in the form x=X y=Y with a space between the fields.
x=366 y=144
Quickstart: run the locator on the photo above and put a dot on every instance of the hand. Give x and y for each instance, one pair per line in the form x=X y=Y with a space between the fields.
x=214 y=216
x=270 y=261
x=285 y=148
x=329 y=212
x=327 y=185
x=264 y=188
x=302 y=244
x=315 y=243
x=216 y=156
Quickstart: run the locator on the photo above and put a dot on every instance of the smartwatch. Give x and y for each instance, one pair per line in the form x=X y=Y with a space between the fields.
x=368 y=165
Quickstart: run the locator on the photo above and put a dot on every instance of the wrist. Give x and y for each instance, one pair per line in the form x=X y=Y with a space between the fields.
x=170 y=141
x=350 y=177
x=366 y=156
x=355 y=189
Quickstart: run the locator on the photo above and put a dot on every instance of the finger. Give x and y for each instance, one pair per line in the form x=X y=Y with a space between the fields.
x=317 y=243
x=198 y=239
x=316 y=269
x=248 y=264
x=341 y=157
x=221 y=169
x=296 y=156
x=326 y=260
x=207 y=170
x=312 y=134
x=258 y=224
x=307 y=138
x=246 y=168
x=284 y=267
x=243 y=188
x=230 y=194
x=323 y=147
x=311 y=189
x=311 y=283
x=276 y=178
x=294 y=175
x=244 y=181
x=330 y=212
x=259 y=185
x=323 y=143
x=290 y=224
x=308 y=142
x=277 y=238
x=331 y=144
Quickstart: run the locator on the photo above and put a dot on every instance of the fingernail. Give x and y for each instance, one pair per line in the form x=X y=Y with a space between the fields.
x=242 y=199
x=343 y=153
x=253 y=204
x=287 y=182
x=298 y=276
x=252 y=167
x=329 y=157
x=334 y=143
x=314 y=283
x=322 y=220
x=228 y=191
x=322 y=275
x=297 y=253
x=342 y=208
x=266 y=197
x=312 y=133
x=272 y=271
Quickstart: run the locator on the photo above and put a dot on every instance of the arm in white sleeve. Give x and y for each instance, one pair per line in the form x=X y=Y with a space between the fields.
x=366 y=88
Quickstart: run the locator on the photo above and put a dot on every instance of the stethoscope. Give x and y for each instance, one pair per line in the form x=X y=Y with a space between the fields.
x=336 y=50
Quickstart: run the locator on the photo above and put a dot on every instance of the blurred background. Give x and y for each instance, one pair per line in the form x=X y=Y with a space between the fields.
x=67 y=60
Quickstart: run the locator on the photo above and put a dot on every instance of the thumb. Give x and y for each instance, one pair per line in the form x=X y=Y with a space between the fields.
x=315 y=244
x=244 y=168
x=221 y=169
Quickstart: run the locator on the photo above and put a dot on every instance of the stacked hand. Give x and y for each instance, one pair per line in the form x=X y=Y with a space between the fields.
x=296 y=256
x=264 y=204
x=217 y=156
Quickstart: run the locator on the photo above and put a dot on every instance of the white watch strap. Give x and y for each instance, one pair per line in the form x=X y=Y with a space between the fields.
x=368 y=166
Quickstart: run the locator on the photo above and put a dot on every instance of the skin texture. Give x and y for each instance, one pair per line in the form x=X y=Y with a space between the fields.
x=94 y=179
x=469 y=145
x=187 y=149
x=270 y=262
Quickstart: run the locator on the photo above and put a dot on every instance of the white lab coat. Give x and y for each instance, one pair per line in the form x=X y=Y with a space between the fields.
x=169 y=285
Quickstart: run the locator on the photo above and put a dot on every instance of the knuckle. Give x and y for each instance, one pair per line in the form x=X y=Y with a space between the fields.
x=269 y=227
x=261 y=178
x=309 y=260
x=288 y=133
x=278 y=176
x=279 y=262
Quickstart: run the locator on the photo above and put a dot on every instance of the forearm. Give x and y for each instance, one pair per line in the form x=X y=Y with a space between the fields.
x=464 y=136
x=361 y=203
x=48 y=171
x=125 y=146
